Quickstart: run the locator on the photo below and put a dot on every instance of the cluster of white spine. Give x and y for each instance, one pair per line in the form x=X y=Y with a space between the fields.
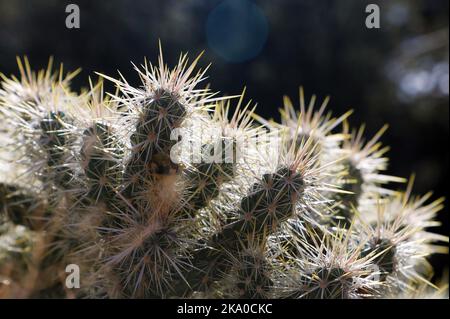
x=303 y=213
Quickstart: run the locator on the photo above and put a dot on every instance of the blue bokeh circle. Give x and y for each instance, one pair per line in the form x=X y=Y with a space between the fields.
x=236 y=30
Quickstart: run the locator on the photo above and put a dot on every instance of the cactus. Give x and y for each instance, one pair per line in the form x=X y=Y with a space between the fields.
x=169 y=190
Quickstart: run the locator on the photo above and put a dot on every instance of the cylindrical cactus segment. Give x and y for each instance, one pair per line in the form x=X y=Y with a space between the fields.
x=203 y=180
x=352 y=182
x=268 y=203
x=384 y=255
x=54 y=140
x=53 y=136
x=151 y=139
x=148 y=271
x=101 y=153
x=324 y=283
x=253 y=276
x=271 y=200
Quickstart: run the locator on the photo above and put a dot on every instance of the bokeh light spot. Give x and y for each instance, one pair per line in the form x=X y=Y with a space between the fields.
x=236 y=30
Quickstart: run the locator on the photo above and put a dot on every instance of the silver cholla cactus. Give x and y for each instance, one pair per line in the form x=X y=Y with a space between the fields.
x=170 y=190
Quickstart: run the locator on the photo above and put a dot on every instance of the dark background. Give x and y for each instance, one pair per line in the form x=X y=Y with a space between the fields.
x=397 y=74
